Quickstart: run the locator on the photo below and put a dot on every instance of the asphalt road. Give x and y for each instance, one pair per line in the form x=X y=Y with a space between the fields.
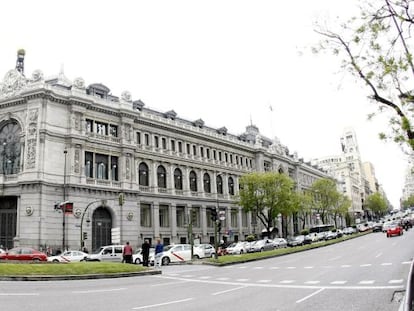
x=367 y=273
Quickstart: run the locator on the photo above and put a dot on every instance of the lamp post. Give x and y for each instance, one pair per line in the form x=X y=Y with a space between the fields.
x=83 y=216
x=216 y=221
x=65 y=152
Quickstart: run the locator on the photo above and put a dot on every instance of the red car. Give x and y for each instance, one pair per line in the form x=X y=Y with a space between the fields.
x=394 y=230
x=23 y=253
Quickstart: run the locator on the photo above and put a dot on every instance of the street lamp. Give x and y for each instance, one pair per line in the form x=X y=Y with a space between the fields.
x=65 y=152
x=82 y=238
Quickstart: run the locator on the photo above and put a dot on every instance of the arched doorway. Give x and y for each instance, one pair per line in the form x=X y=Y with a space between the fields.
x=8 y=221
x=101 y=227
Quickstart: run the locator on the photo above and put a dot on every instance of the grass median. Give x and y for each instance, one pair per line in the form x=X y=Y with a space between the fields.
x=81 y=268
x=233 y=259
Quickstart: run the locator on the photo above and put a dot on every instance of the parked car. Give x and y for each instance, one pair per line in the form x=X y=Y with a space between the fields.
x=296 y=240
x=2 y=251
x=349 y=230
x=331 y=235
x=237 y=248
x=262 y=245
x=107 y=253
x=280 y=243
x=204 y=251
x=311 y=238
x=137 y=256
x=176 y=253
x=394 y=230
x=23 y=253
x=377 y=227
x=68 y=256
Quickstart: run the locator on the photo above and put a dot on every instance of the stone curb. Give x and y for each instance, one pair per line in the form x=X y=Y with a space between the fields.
x=77 y=277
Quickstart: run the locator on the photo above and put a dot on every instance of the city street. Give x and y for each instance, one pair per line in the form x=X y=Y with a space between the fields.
x=367 y=273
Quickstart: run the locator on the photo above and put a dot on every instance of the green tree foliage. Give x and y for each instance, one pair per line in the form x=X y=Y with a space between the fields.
x=376 y=48
x=326 y=198
x=267 y=195
x=409 y=202
x=341 y=208
x=376 y=203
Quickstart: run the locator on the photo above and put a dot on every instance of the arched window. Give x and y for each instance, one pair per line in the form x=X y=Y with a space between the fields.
x=219 y=182
x=193 y=181
x=161 y=177
x=10 y=148
x=143 y=175
x=231 y=186
x=178 y=179
x=206 y=183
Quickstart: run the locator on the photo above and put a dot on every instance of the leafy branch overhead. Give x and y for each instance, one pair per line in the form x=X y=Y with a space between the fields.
x=376 y=47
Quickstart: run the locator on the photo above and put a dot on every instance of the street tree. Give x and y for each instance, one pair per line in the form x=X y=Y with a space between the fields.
x=376 y=204
x=376 y=47
x=305 y=207
x=341 y=208
x=267 y=195
x=326 y=197
x=409 y=202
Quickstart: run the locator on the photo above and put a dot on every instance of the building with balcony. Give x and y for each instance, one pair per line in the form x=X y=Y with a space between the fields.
x=65 y=141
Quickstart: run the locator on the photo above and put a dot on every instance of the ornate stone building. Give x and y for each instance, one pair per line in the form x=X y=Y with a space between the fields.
x=61 y=140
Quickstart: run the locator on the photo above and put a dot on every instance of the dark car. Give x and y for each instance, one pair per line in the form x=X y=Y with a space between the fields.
x=296 y=241
x=23 y=253
x=377 y=227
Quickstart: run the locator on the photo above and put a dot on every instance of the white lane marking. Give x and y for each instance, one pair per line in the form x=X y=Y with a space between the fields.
x=312 y=282
x=290 y=268
x=205 y=277
x=188 y=276
x=309 y=296
x=229 y=290
x=223 y=279
x=353 y=287
x=338 y=282
x=162 y=304
x=287 y=281
x=379 y=254
x=335 y=258
x=366 y=265
x=345 y=266
x=395 y=281
x=242 y=267
x=264 y=281
x=257 y=268
x=242 y=280
x=367 y=282
x=97 y=291
x=386 y=264
x=406 y=263
x=274 y=268
x=19 y=294
x=308 y=267
x=168 y=283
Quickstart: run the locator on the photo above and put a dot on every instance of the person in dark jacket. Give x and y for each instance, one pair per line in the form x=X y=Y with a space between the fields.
x=145 y=253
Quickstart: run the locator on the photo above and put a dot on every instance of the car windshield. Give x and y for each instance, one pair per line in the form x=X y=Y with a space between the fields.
x=167 y=248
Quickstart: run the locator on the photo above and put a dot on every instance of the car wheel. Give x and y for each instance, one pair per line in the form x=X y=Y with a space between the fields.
x=137 y=261
x=241 y=251
x=262 y=250
x=165 y=261
x=54 y=260
x=36 y=259
x=388 y=235
x=196 y=257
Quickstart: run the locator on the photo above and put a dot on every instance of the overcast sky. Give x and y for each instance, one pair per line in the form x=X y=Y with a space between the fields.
x=226 y=62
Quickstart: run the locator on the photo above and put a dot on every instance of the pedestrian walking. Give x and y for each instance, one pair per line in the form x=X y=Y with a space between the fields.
x=127 y=253
x=159 y=248
x=145 y=253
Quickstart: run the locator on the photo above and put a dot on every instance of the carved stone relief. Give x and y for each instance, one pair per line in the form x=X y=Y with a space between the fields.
x=77 y=160
x=32 y=138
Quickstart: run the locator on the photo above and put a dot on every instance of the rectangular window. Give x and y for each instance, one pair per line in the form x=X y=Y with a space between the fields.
x=156 y=142
x=113 y=130
x=188 y=149
x=101 y=166
x=214 y=155
x=147 y=140
x=219 y=155
x=138 y=138
x=89 y=126
x=208 y=153
x=202 y=152
x=244 y=219
x=164 y=216
x=195 y=217
x=114 y=168
x=231 y=158
x=164 y=143
x=226 y=157
x=89 y=164
x=146 y=215
x=194 y=150
x=180 y=147
x=180 y=215
x=234 y=218
x=172 y=144
x=101 y=128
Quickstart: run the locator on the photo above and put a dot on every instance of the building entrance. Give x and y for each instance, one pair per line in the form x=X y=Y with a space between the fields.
x=8 y=221
x=101 y=227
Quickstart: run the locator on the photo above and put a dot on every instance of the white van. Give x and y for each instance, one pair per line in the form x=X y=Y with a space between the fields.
x=107 y=253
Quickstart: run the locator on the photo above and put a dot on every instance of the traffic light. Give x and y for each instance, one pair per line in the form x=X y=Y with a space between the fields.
x=85 y=235
x=213 y=214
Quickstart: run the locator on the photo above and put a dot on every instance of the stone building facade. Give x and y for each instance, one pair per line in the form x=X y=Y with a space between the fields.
x=131 y=172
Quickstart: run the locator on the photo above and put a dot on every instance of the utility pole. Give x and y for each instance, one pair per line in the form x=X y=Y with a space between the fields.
x=65 y=152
